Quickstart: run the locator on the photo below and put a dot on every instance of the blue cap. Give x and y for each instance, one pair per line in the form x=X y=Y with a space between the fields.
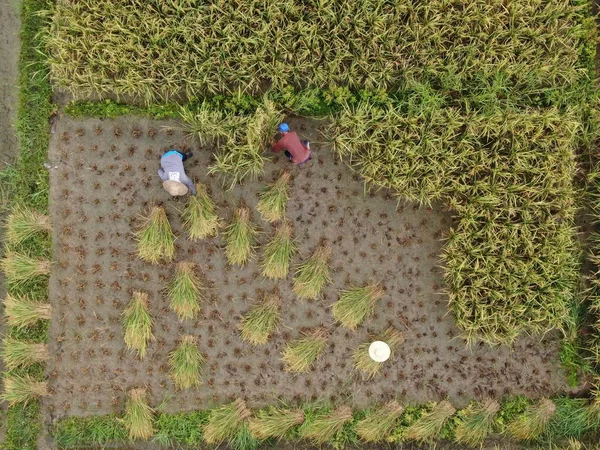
x=283 y=128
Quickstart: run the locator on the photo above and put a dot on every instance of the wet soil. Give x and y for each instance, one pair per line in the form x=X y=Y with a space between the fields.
x=105 y=178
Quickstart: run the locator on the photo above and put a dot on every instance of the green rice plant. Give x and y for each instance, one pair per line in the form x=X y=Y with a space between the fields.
x=356 y=304
x=325 y=427
x=23 y=223
x=368 y=366
x=155 y=238
x=21 y=311
x=186 y=363
x=22 y=389
x=300 y=355
x=476 y=423
x=533 y=421
x=20 y=268
x=274 y=198
x=16 y=353
x=240 y=237
x=240 y=154
x=275 y=422
x=261 y=321
x=209 y=125
x=185 y=291
x=199 y=216
x=428 y=427
x=313 y=275
x=278 y=253
x=379 y=423
x=225 y=422
x=138 y=322
x=138 y=415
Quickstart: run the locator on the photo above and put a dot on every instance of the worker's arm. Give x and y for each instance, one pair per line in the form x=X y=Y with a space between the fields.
x=278 y=146
x=189 y=183
x=161 y=173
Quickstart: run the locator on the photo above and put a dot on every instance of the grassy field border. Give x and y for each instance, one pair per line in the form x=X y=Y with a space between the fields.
x=570 y=421
x=27 y=184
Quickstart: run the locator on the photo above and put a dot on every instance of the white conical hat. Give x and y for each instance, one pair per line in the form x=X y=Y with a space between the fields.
x=379 y=351
x=175 y=188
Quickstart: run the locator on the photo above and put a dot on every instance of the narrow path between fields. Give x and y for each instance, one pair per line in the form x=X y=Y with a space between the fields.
x=10 y=25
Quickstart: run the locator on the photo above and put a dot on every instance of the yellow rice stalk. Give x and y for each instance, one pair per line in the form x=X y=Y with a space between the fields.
x=224 y=422
x=325 y=427
x=313 y=275
x=365 y=364
x=275 y=422
x=278 y=253
x=199 y=216
x=428 y=427
x=301 y=354
x=138 y=415
x=379 y=423
x=533 y=421
x=23 y=389
x=261 y=321
x=274 y=199
x=137 y=322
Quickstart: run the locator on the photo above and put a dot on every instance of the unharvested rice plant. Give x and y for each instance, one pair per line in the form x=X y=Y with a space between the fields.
x=443 y=213
x=162 y=51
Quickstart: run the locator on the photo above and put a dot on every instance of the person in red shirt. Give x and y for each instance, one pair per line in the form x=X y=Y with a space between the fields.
x=296 y=151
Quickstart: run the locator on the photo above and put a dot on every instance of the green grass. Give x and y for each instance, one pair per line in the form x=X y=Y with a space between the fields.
x=185 y=291
x=199 y=217
x=234 y=423
x=368 y=367
x=261 y=321
x=301 y=354
x=275 y=422
x=274 y=198
x=225 y=422
x=356 y=304
x=278 y=253
x=180 y=428
x=22 y=312
x=476 y=423
x=312 y=275
x=17 y=353
x=26 y=186
x=186 y=363
x=240 y=237
x=155 y=238
x=379 y=422
x=137 y=323
x=74 y=432
x=23 y=223
x=138 y=415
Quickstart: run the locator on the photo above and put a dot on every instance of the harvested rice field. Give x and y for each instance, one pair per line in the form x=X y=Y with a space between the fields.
x=430 y=278
x=104 y=179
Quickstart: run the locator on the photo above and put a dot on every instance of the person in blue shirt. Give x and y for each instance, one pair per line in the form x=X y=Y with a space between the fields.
x=172 y=173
